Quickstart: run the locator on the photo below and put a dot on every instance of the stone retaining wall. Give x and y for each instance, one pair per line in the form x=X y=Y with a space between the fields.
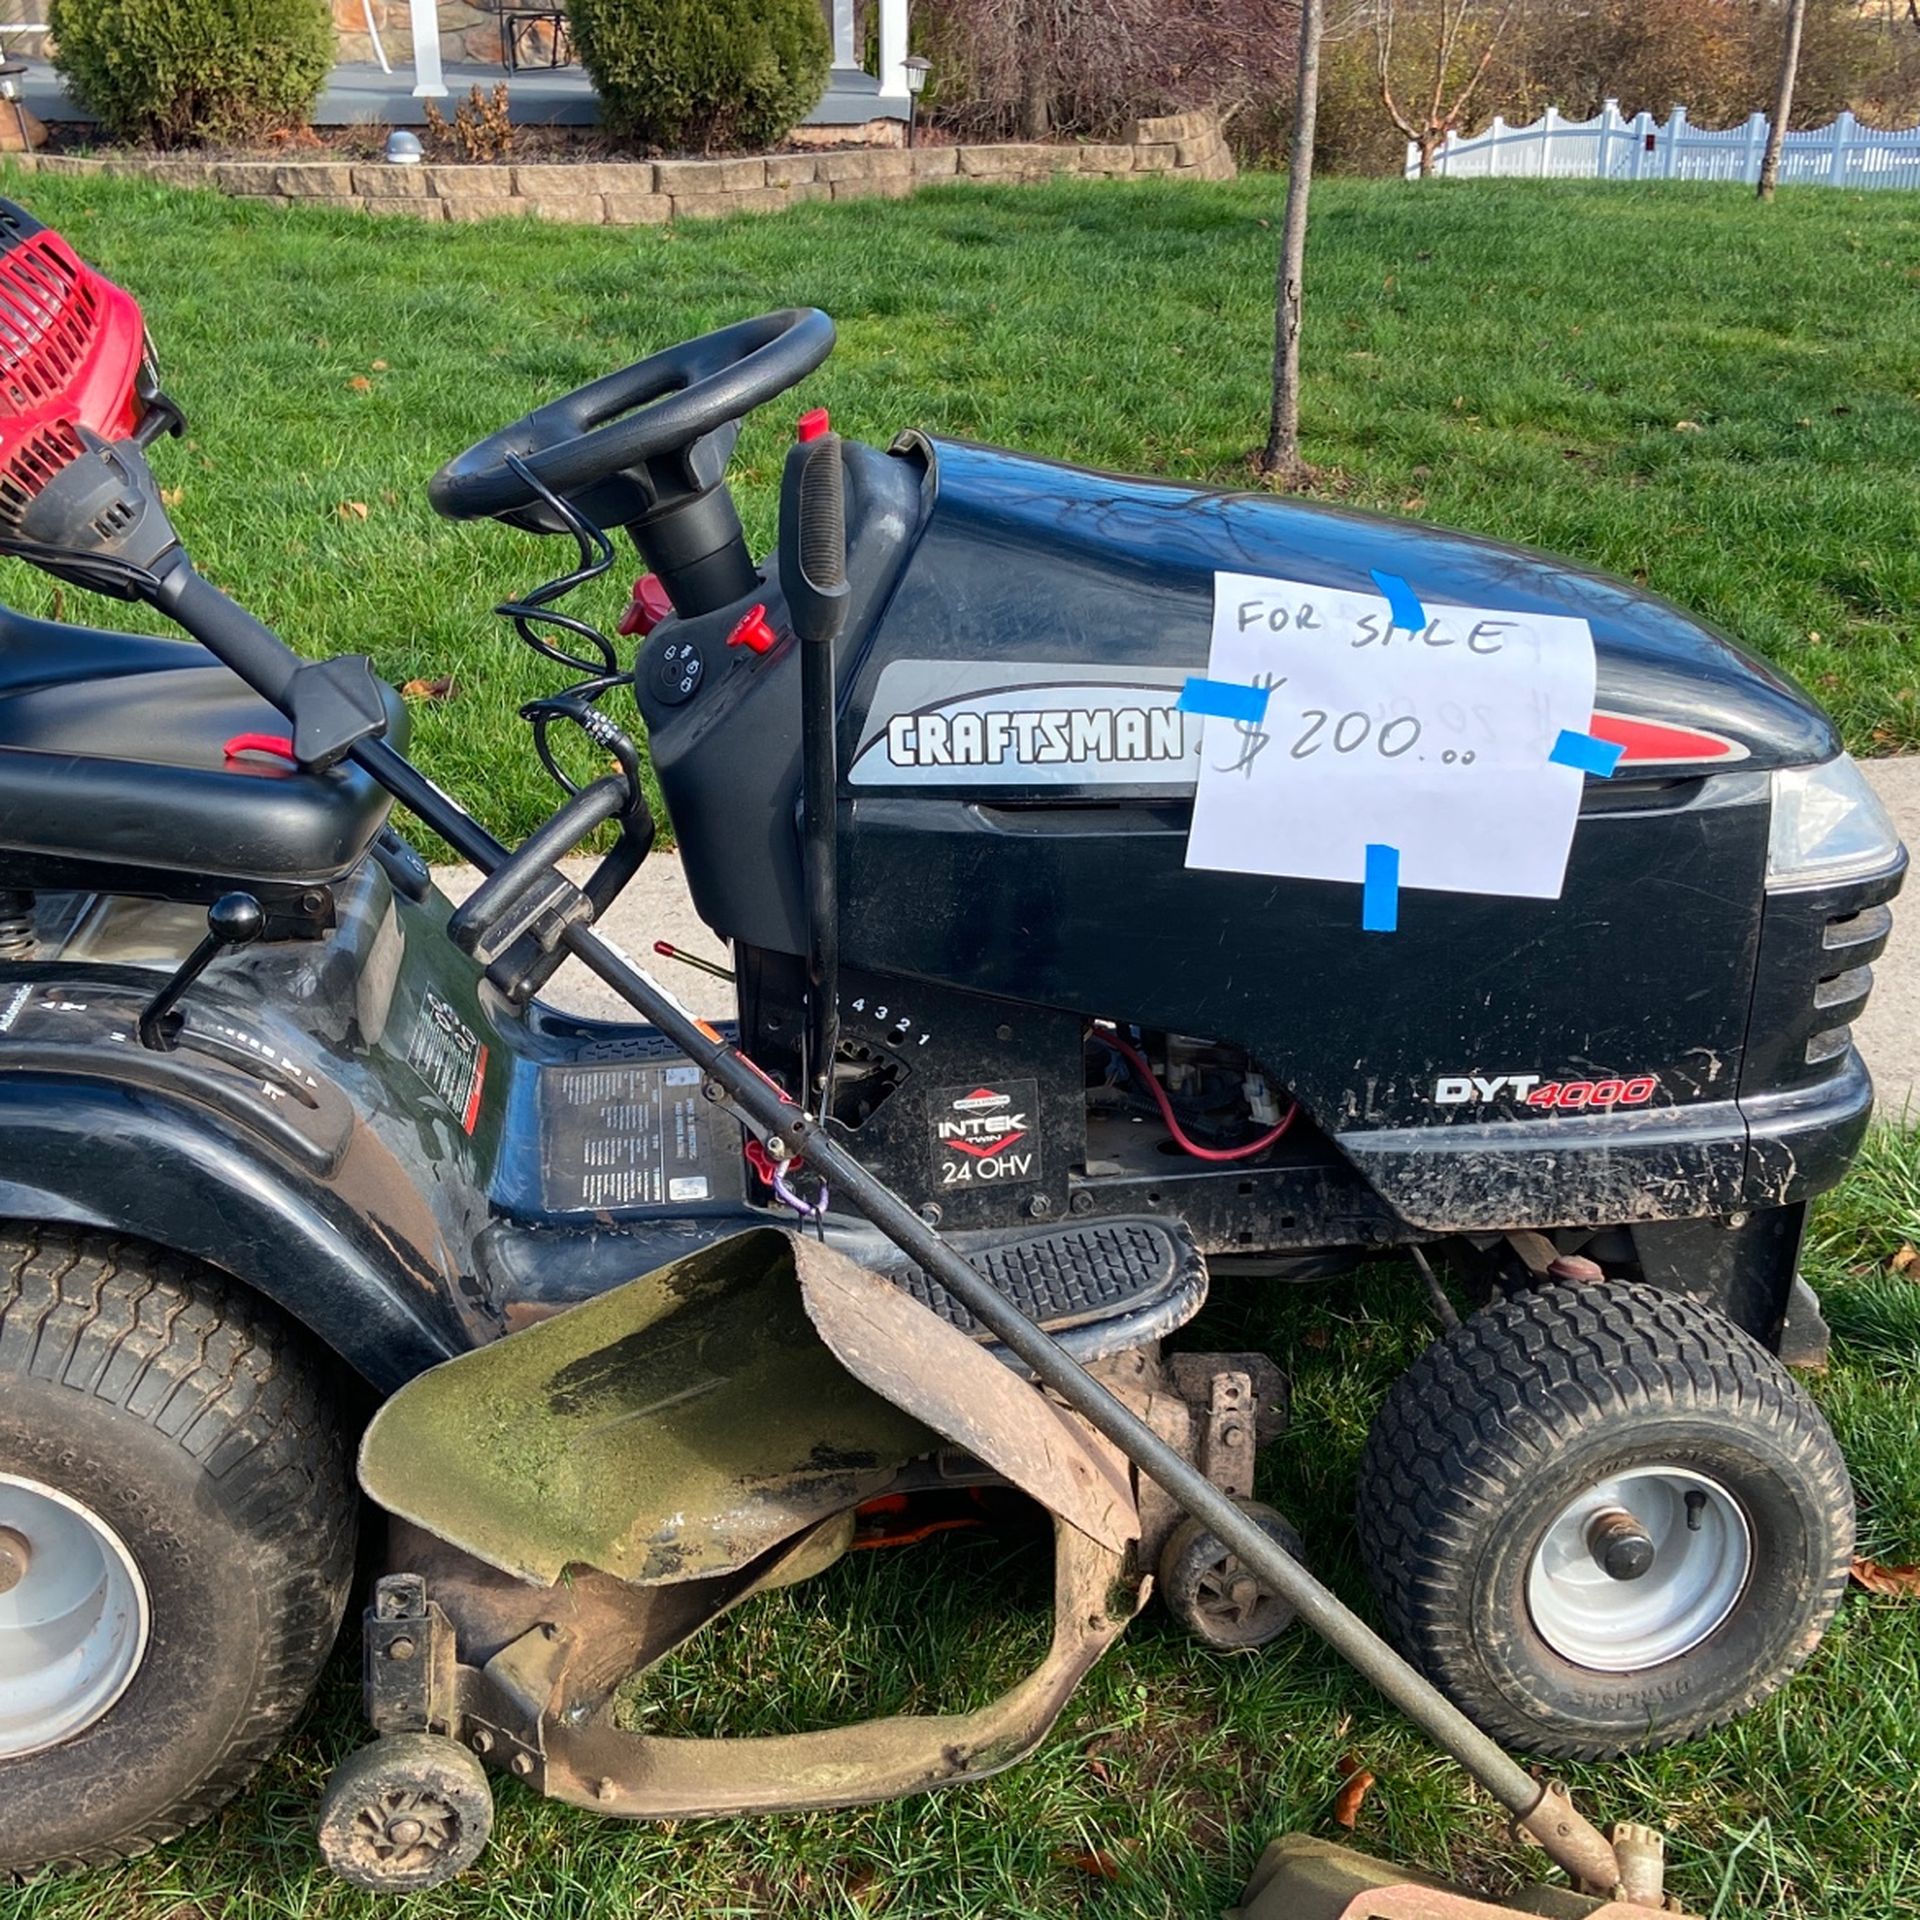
x=631 y=193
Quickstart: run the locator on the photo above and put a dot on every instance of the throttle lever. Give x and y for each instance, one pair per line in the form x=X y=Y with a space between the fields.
x=813 y=539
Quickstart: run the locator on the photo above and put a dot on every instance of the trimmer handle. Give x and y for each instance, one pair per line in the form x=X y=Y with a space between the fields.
x=813 y=539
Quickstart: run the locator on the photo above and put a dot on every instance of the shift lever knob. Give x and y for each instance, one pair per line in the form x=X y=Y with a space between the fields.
x=234 y=920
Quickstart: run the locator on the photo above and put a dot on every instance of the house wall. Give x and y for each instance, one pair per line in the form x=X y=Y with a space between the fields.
x=466 y=33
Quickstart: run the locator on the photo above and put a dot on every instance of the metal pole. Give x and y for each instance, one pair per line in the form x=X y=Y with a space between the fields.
x=266 y=663
x=1572 y=1842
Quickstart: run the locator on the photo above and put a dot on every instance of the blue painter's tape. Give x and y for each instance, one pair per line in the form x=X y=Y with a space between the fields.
x=1586 y=753
x=1380 y=893
x=1223 y=700
x=1402 y=602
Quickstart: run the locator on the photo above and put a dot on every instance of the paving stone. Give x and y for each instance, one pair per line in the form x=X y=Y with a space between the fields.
x=391 y=183
x=711 y=206
x=637 y=209
x=708 y=177
x=583 y=209
x=469 y=182
x=311 y=180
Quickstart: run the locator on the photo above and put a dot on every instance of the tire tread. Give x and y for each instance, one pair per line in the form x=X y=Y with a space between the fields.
x=204 y=1361
x=1461 y=1431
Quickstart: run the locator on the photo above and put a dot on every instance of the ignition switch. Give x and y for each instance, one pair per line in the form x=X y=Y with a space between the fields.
x=674 y=669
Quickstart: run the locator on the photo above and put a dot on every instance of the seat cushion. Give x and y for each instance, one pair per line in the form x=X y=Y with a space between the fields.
x=113 y=751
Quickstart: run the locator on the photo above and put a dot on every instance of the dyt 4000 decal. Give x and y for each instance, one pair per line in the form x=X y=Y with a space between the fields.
x=1537 y=1091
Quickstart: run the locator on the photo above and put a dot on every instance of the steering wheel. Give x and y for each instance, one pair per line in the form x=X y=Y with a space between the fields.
x=639 y=442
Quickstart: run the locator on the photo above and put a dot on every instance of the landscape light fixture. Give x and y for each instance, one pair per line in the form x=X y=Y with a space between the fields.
x=403 y=148
x=917 y=66
x=10 y=72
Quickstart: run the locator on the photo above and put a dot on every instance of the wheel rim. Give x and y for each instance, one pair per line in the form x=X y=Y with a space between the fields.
x=73 y=1617
x=1700 y=1559
x=406 y=1830
x=1229 y=1598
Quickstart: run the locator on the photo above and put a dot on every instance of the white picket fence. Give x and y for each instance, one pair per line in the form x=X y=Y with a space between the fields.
x=1612 y=147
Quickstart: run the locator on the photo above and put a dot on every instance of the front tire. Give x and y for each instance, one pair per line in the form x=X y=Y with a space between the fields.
x=178 y=1516
x=1603 y=1519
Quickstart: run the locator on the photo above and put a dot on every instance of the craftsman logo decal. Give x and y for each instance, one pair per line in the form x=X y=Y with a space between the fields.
x=1535 y=1090
x=985 y=1134
x=450 y=1057
x=959 y=736
x=1027 y=724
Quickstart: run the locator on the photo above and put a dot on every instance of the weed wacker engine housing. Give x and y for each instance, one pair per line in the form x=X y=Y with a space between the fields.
x=666 y=1315
x=76 y=376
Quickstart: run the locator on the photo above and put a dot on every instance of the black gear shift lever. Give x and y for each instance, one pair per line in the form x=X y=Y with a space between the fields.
x=234 y=920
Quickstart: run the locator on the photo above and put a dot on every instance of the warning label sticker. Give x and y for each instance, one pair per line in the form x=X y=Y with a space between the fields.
x=986 y=1134
x=628 y=1136
x=450 y=1057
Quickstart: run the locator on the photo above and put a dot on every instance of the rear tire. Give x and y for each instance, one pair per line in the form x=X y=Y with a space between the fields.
x=1603 y=1519
x=183 y=1430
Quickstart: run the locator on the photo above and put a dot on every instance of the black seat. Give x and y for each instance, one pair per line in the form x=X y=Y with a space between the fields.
x=114 y=773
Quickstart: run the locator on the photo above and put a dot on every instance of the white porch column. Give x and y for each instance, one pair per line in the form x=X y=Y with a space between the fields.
x=893 y=47
x=427 y=80
x=840 y=23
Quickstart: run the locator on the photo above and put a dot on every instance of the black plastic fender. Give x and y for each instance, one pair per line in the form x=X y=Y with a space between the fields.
x=88 y=1152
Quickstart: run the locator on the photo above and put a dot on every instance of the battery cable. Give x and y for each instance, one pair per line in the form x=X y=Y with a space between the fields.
x=1137 y=1061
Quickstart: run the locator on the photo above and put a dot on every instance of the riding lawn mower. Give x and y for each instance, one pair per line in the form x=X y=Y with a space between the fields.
x=1073 y=978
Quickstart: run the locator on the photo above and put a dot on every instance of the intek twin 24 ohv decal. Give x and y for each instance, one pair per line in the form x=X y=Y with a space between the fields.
x=987 y=1134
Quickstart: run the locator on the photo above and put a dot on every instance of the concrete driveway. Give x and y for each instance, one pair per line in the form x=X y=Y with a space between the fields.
x=656 y=907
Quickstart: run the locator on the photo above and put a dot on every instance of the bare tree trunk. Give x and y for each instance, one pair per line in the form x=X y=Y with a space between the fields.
x=1281 y=455
x=1783 y=97
x=1036 y=95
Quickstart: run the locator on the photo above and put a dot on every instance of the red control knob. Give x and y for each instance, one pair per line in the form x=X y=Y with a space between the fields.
x=753 y=632
x=812 y=424
x=648 y=607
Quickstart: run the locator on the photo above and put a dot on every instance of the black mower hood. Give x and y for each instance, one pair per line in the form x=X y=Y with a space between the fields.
x=1120 y=572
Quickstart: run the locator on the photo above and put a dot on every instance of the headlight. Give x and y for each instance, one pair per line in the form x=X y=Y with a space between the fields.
x=1828 y=825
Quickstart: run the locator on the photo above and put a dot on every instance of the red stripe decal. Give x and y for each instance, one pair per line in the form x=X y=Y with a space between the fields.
x=479 y=1080
x=1650 y=742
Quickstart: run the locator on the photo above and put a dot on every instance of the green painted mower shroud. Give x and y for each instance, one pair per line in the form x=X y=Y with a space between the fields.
x=684 y=1424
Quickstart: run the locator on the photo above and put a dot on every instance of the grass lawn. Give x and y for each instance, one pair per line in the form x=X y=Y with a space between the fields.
x=1718 y=399
x=1173 y=1766
x=1509 y=358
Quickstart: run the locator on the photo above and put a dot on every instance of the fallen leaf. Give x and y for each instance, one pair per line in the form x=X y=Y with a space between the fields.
x=1100 y=1770
x=1906 y=1259
x=1902 y=1582
x=1103 y=1863
x=352 y=509
x=359 y=384
x=441 y=689
x=1315 y=1337
x=379 y=366
x=1413 y=503
x=1359 y=1783
x=172 y=496
x=1688 y=426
